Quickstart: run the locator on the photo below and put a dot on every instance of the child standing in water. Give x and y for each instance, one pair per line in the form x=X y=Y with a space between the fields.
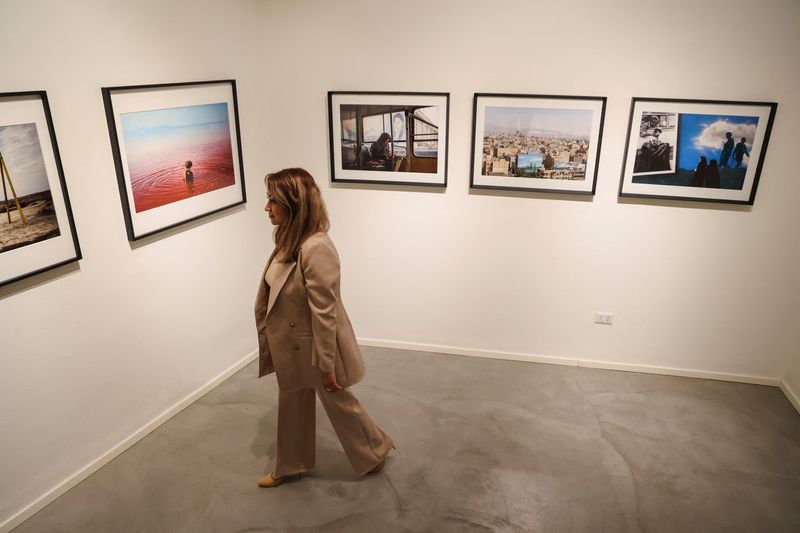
x=188 y=175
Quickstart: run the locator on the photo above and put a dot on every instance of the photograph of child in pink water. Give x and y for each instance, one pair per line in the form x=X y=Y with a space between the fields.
x=174 y=154
x=176 y=151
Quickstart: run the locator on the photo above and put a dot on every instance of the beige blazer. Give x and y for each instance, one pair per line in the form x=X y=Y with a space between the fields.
x=303 y=329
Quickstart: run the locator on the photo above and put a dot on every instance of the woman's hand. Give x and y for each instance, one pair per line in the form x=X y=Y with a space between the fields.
x=329 y=380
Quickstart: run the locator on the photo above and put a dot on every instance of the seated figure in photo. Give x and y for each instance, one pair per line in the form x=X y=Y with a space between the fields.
x=381 y=152
x=653 y=156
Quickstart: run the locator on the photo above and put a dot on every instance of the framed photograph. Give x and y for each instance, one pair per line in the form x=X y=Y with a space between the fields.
x=536 y=143
x=37 y=231
x=176 y=151
x=389 y=137
x=705 y=150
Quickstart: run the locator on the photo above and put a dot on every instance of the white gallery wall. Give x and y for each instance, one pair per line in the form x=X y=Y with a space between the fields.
x=698 y=286
x=95 y=353
x=91 y=354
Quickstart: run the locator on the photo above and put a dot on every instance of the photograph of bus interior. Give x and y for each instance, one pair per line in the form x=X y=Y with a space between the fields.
x=390 y=137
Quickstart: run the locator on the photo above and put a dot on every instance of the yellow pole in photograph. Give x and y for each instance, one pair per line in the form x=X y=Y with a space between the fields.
x=5 y=193
x=13 y=192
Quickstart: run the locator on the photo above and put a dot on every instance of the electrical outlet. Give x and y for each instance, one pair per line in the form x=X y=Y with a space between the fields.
x=602 y=317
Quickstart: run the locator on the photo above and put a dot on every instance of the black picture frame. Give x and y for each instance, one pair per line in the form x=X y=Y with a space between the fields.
x=215 y=184
x=36 y=199
x=570 y=128
x=663 y=157
x=414 y=121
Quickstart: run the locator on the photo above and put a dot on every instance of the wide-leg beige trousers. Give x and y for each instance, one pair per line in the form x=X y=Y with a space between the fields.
x=364 y=443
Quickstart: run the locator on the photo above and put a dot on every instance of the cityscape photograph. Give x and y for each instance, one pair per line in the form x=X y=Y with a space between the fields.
x=539 y=143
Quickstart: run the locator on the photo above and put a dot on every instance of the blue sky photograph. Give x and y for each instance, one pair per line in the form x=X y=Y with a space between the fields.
x=161 y=130
x=705 y=134
x=149 y=124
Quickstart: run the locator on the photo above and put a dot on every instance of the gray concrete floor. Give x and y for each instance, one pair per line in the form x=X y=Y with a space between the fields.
x=482 y=445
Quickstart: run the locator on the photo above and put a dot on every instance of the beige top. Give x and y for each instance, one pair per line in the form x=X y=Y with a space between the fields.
x=275 y=269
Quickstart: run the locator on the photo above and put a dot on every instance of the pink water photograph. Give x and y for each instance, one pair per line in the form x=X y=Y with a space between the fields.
x=177 y=153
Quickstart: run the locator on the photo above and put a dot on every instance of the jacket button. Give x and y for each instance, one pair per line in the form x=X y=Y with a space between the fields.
x=295 y=347
x=291 y=324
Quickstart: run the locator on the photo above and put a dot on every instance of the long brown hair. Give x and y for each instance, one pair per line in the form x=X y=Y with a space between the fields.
x=296 y=192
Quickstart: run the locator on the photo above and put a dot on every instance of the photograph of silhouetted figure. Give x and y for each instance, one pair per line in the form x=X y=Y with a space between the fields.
x=739 y=152
x=712 y=175
x=699 y=176
x=714 y=154
x=727 y=150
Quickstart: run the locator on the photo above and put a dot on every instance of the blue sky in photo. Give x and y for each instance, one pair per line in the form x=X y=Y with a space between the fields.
x=19 y=144
x=705 y=134
x=166 y=121
x=574 y=123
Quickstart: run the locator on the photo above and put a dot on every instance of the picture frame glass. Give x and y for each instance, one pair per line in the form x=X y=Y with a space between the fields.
x=37 y=230
x=177 y=152
x=695 y=149
x=536 y=143
x=398 y=138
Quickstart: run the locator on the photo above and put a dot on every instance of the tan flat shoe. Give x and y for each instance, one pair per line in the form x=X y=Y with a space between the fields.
x=270 y=481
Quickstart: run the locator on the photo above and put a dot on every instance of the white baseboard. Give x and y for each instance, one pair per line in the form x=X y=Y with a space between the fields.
x=132 y=439
x=587 y=363
x=454 y=350
x=680 y=372
x=791 y=395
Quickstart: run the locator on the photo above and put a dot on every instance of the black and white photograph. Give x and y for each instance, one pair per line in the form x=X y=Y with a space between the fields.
x=656 y=148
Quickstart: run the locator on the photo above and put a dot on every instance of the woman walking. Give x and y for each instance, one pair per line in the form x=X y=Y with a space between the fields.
x=305 y=336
